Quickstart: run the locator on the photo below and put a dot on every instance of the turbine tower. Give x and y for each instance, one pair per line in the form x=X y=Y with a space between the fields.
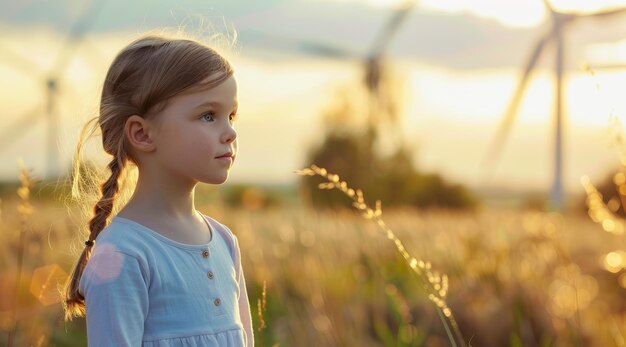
x=48 y=107
x=559 y=22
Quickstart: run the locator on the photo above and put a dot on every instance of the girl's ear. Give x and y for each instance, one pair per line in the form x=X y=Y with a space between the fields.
x=137 y=131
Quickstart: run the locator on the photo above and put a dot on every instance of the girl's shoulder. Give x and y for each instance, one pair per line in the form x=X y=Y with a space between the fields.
x=120 y=236
x=227 y=235
x=221 y=228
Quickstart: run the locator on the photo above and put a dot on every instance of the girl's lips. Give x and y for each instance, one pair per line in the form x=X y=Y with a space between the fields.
x=226 y=158
x=228 y=154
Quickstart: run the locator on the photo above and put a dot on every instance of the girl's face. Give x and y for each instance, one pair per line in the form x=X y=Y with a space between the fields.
x=196 y=140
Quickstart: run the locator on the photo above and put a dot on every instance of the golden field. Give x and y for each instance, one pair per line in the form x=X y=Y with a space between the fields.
x=332 y=278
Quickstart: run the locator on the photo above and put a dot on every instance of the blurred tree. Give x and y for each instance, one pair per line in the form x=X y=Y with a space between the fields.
x=356 y=153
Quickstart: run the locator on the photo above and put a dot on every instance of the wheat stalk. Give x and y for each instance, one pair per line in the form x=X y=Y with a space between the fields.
x=25 y=209
x=434 y=283
x=261 y=303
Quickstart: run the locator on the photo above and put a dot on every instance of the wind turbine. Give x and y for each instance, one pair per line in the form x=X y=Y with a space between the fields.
x=559 y=21
x=372 y=61
x=48 y=106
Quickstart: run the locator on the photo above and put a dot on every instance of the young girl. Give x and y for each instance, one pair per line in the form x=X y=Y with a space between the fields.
x=162 y=273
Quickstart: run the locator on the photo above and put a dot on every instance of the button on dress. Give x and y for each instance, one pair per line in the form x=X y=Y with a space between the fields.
x=144 y=289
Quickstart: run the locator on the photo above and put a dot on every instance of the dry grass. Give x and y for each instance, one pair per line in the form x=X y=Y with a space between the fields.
x=434 y=283
x=333 y=279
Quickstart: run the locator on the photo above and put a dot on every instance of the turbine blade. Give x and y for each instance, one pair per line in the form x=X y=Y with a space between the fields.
x=511 y=112
x=389 y=29
x=605 y=14
x=549 y=6
x=18 y=128
x=308 y=46
x=20 y=63
x=78 y=30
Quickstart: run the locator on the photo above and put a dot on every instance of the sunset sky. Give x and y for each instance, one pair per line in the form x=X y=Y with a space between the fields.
x=459 y=79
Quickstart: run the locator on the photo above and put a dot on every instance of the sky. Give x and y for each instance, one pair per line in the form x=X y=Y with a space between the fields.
x=515 y=13
x=459 y=60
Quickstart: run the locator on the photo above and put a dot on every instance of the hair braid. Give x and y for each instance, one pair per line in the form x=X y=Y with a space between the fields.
x=74 y=304
x=104 y=206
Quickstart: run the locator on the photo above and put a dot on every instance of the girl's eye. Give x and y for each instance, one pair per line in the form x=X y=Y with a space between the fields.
x=233 y=117
x=208 y=117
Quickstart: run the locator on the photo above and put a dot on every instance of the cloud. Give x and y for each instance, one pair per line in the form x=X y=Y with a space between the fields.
x=459 y=40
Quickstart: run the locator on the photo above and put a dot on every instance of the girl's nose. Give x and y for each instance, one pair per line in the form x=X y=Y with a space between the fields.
x=229 y=135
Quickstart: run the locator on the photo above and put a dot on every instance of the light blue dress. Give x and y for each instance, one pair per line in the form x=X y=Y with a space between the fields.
x=144 y=289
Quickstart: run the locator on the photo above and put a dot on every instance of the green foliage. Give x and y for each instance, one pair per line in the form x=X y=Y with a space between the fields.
x=392 y=179
x=516 y=341
x=73 y=333
x=252 y=197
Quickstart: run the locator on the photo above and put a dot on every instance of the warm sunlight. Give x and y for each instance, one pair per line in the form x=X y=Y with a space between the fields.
x=520 y=13
x=514 y=13
x=517 y=13
x=297 y=108
x=476 y=150
x=586 y=6
x=390 y=3
x=607 y=53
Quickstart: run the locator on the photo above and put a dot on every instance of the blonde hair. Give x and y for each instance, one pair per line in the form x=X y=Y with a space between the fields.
x=141 y=79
